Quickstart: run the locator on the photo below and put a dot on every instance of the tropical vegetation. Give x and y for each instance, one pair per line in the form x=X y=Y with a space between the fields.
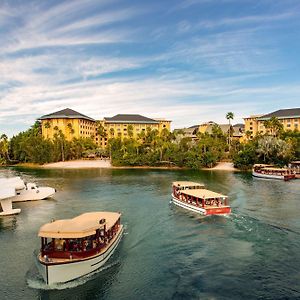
x=154 y=148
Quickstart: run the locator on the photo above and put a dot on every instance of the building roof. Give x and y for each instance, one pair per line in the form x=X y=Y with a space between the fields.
x=239 y=125
x=224 y=127
x=130 y=118
x=79 y=227
x=282 y=114
x=203 y=194
x=66 y=113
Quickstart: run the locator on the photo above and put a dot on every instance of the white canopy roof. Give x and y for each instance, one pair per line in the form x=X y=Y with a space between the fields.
x=203 y=194
x=79 y=227
x=187 y=184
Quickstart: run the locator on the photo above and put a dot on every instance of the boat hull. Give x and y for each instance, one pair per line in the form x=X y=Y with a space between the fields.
x=200 y=210
x=7 y=210
x=32 y=195
x=269 y=176
x=67 y=271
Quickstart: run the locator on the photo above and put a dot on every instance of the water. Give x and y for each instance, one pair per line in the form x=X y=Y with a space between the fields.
x=166 y=252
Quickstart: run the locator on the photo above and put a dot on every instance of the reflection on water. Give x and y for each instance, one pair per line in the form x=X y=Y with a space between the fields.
x=167 y=252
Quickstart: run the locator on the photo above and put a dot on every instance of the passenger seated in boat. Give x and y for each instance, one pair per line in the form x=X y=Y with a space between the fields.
x=60 y=244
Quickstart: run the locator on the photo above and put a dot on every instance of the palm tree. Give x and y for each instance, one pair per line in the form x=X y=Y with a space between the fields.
x=70 y=127
x=47 y=125
x=229 y=116
x=130 y=131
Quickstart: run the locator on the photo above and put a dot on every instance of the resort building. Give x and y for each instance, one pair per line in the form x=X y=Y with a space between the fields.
x=75 y=125
x=129 y=125
x=289 y=118
x=70 y=122
x=235 y=130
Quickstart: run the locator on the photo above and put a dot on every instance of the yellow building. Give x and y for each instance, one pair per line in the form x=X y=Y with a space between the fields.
x=129 y=125
x=290 y=119
x=70 y=122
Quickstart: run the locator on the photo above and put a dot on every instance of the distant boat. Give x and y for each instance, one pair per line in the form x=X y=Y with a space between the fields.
x=271 y=172
x=75 y=247
x=294 y=166
x=26 y=191
x=194 y=197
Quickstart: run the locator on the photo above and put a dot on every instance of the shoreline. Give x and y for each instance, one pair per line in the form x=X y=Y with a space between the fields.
x=105 y=164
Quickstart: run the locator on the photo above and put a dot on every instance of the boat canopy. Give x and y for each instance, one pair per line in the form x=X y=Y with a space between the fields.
x=188 y=184
x=276 y=169
x=79 y=227
x=262 y=166
x=203 y=194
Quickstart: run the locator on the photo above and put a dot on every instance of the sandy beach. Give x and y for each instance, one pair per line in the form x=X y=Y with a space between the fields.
x=79 y=164
x=223 y=166
x=98 y=163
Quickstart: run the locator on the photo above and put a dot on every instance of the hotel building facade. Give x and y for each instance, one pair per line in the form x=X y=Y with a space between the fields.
x=289 y=118
x=76 y=125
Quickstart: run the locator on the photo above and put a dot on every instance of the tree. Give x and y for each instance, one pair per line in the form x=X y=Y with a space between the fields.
x=130 y=130
x=4 y=149
x=273 y=126
x=229 y=116
x=70 y=127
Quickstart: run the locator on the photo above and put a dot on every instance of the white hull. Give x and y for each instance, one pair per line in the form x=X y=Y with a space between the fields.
x=268 y=176
x=65 y=272
x=33 y=194
x=187 y=206
x=5 y=201
x=7 y=209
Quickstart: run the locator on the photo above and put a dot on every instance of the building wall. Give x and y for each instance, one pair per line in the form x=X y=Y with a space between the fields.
x=251 y=125
x=82 y=128
x=121 y=130
x=256 y=126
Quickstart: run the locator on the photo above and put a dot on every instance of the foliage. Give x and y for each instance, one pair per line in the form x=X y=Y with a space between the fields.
x=31 y=146
x=152 y=148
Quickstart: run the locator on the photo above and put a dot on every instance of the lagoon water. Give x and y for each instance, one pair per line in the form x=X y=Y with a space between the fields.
x=166 y=252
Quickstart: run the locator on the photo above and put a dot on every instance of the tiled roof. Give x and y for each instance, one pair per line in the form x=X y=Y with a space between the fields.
x=282 y=113
x=129 y=118
x=66 y=113
x=223 y=127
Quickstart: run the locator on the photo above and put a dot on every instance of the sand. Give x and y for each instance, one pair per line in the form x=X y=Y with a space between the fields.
x=224 y=166
x=99 y=163
x=79 y=164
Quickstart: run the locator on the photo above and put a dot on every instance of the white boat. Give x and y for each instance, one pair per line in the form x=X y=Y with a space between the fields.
x=75 y=247
x=26 y=191
x=270 y=172
x=6 y=203
x=194 y=197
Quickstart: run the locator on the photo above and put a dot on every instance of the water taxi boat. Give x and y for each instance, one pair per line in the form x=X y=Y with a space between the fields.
x=75 y=247
x=193 y=196
x=294 y=166
x=271 y=172
x=26 y=191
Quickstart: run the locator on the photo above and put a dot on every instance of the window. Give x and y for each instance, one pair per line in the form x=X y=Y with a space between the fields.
x=288 y=125
x=250 y=128
x=251 y=123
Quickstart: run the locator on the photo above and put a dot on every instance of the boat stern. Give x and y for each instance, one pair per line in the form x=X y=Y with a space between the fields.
x=218 y=211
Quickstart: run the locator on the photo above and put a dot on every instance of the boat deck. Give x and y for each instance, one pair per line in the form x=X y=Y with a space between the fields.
x=51 y=260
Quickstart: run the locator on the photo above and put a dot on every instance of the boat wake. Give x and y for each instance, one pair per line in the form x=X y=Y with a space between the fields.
x=35 y=281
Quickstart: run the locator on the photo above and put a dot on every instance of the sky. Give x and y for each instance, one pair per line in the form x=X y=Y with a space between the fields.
x=189 y=61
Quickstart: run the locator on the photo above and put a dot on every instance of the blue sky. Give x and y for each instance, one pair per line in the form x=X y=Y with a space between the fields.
x=190 y=61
